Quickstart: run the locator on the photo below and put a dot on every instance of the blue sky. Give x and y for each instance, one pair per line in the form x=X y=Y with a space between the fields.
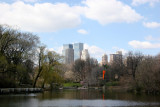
x=105 y=26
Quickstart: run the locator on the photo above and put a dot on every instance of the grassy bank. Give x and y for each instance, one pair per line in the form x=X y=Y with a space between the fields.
x=70 y=84
x=112 y=83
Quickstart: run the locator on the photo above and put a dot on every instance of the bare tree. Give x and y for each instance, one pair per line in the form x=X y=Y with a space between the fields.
x=148 y=74
x=79 y=69
x=87 y=71
x=133 y=60
x=41 y=58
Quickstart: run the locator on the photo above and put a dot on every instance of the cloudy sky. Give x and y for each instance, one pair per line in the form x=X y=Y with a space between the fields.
x=105 y=26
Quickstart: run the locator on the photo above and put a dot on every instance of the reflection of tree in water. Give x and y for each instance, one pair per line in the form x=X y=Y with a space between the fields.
x=96 y=94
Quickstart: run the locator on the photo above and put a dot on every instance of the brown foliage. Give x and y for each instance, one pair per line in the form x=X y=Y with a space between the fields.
x=148 y=74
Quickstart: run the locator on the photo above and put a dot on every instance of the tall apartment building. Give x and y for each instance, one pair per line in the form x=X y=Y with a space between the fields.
x=94 y=61
x=116 y=57
x=85 y=55
x=78 y=47
x=68 y=53
x=104 y=59
x=119 y=52
x=69 y=56
x=66 y=46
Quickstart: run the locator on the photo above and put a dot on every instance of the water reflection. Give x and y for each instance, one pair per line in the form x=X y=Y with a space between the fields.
x=94 y=103
x=79 y=98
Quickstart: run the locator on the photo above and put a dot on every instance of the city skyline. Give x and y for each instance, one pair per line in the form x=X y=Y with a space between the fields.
x=104 y=26
x=72 y=52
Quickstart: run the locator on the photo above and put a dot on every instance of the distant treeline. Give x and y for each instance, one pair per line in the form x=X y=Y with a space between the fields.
x=135 y=71
x=25 y=62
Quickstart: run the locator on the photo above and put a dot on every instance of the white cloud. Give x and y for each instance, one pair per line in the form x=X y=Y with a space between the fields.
x=95 y=51
x=48 y=17
x=139 y=2
x=151 y=24
x=151 y=38
x=110 y=11
x=82 y=31
x=143 y=45
x=120 y=49
x=56 y=49
x=59 y=50
x=44 y=17
x=30 y=0
x=50 y=49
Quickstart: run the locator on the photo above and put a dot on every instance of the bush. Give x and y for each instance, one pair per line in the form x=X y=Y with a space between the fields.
x=113 y=83
x=7 y=83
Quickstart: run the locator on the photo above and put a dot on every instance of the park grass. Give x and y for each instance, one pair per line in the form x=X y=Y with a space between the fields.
x=112 y=83
x=70 y=84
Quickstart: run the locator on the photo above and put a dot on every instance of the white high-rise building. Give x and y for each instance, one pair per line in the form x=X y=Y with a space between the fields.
x=94 y=61
x=119 y=52
x=104 y=59
x=85 y=55
x=116 y=57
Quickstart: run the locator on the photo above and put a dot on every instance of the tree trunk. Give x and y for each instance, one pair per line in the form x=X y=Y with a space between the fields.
x=39 y=71
x=43 y=83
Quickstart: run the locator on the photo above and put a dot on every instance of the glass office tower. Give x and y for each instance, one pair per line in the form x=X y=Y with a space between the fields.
x=78 y=47
x=66 y=46
x=68 y=53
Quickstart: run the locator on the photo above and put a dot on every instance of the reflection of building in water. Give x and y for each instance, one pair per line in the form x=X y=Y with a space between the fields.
x=85 y=55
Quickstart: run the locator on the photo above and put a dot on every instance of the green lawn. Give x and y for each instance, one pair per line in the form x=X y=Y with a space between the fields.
x=72 y=85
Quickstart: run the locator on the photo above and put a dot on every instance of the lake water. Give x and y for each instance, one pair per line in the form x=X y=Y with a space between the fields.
x=80 y=98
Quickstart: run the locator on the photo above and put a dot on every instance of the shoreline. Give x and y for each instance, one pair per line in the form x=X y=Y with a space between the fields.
x=20 y=90
x=7 y=91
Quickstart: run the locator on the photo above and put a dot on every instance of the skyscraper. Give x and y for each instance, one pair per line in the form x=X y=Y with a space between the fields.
x=66 y=46
x=78 y=47
x=116 y=57
x=69 y=56
x=68 y=53
x=85 y=54
x=104 y=59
